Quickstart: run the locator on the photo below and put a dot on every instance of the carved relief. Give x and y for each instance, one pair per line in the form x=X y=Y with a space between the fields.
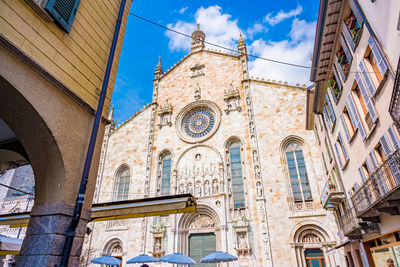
x=311 y=238
x=197 y=70
x=232 y=100
x=201 y=221
x=165 y=114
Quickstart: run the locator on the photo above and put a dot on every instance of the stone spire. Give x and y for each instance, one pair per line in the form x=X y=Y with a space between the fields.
x=111 y=119
x=198 y=38
x=111 y=115
x=158 y=71
x=242 y=46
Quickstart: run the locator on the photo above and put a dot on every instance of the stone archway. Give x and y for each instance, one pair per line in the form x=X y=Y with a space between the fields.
x=114 y=248
x=311 y=238
x=204 y=221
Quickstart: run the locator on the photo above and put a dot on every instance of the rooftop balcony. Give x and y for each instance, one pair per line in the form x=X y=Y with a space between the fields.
x=332 y=194
x=381 y=192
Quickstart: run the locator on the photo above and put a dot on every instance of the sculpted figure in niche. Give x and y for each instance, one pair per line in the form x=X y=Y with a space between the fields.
x=181 y=189
x=215 y=188
x=259 y=189
x=157 y=245
x=189 y=188
x=311 y=238
x=242 y=241
x=198 y=190
x=207 y=188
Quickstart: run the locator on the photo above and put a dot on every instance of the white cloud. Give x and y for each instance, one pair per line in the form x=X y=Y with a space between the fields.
x=296 y=49
x=282 y=15
x=219 y=28
x=183 y=9
x=257 y=28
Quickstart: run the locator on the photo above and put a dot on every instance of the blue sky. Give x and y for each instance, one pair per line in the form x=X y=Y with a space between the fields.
x=282 y=30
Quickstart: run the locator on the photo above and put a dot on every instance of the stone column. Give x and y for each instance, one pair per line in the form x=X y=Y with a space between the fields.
x=44 y=240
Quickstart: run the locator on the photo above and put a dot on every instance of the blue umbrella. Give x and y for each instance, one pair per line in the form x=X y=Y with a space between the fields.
x=107 y=260
x=178 y=258
x=218 y=256
x=143 y=258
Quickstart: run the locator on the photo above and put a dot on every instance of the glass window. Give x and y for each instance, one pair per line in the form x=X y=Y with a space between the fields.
x=165 y=174
x=121 y=184
x=298 y=173
x=237 y=176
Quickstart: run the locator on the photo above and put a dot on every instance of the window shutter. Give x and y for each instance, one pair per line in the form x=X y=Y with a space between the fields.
x=393 y=138
x=327 y=120
x=362 y=175
x=345 y=128
x=373 y=160
x=386 y=145
x=351 y=107
x=344 y=148
x=367 y=99
x=368 y=82
x=369 y=166
x=355 y=185
x=379 y=57
x=338 y=81
x=338 y=155
x=328 y=100
x=63 y=11
x=346 y=50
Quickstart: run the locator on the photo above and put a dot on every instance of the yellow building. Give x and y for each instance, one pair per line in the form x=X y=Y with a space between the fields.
x=53 y=59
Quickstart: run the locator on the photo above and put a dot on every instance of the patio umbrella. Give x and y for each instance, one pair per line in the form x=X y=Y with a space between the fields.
x=107 y=260
x=143 y=258
x=178 y=258
x=218 y=256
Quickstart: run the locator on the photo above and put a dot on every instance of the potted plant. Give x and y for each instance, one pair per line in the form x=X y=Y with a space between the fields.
x=332 y=187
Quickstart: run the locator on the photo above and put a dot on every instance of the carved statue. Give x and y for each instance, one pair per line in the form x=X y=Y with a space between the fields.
x=215 y=187
x=207 y=188
x=198 y=190
x=259 y=190
x=181 y=189
x=242 y=241
x=202 y=221
x=189 y=188
x=157 y=245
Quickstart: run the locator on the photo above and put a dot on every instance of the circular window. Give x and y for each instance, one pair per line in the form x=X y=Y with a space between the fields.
x=198 y=121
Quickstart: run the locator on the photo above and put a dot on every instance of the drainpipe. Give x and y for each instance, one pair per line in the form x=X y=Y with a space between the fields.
x=85 y=175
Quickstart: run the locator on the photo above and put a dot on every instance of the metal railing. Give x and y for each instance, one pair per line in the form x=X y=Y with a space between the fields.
x=349 y=221
x=380 y=184
x=331 y=186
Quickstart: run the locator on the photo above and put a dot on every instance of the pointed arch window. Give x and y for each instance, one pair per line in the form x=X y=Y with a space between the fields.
x=121 y=184
x=237 y=175
x=298 y=173
x=165 y=174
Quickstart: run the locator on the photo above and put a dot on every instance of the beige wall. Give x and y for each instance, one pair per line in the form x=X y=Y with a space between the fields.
x=77 y=59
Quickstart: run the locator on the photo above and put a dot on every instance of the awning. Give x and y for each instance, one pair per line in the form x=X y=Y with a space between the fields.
x=10 y=245
x=126 y=209
x=330 y=251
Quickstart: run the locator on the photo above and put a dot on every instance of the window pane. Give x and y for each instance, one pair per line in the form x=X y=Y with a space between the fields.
x=237 y=177
x=166 y=175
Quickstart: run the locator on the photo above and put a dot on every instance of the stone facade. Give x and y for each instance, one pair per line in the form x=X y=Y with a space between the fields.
x=202 y=106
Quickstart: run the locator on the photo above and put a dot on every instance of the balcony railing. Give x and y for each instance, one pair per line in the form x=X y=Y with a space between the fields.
x=384 y=181
x=332 y=193
x=352 y=226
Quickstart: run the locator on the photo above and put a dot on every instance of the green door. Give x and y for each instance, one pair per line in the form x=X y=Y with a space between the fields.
x=200 y=245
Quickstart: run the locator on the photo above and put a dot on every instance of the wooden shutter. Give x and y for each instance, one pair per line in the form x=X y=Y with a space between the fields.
x=328 y=101
x=354 y=116
x=346 y=131
x=338 y=81
x=387 y=149
x=346 y=51
x=368 y=82
x=338 y=155
x=326 y=118
x=380 y=59
x=393 y=138
x=63 y=11
x=373 y=160
x=343 y=147
x=367 y=99
x=369 y=166
x=362 y=174
x=356 y=12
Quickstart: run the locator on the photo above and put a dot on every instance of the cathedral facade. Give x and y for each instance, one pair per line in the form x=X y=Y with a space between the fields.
x=239 y=145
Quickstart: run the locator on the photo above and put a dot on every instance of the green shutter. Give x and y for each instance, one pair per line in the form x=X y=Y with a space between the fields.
x=63 y=11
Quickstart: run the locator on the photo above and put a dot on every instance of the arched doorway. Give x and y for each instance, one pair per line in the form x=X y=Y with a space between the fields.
x=114 y=248
x=199 y=234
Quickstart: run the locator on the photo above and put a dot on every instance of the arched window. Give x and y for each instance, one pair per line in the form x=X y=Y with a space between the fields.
x=237 y=175
x=121 y=184
x=298 y=173
x=165 y=174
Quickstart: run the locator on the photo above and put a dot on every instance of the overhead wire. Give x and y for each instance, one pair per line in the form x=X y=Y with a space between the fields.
x=236 y=51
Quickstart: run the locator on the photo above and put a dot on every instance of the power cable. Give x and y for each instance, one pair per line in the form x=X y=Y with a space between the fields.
x=236 y=51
